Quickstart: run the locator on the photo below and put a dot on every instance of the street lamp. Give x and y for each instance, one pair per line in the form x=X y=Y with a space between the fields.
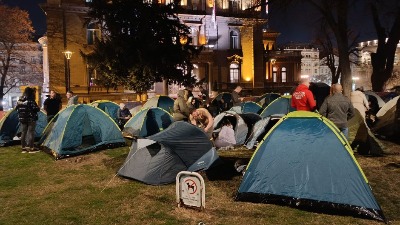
x=68 y=55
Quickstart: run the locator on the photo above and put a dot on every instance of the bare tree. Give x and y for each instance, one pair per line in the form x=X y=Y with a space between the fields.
x=335 y=15
x=16 y=28
x=388 y=37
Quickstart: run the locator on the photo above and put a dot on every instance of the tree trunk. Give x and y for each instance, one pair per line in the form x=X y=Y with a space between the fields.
x=382 y=61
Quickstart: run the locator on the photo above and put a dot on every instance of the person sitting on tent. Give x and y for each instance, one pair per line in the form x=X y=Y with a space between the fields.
x=123 y=115
x=72 y=99
x=202 y=118
x=303 y=98
x=181 y=108
x=27 y=114
x=338 y=109
x=226 y=135
x=359 y=101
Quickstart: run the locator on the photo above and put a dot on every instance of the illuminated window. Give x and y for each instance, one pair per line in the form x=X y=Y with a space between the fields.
x=234 y=73
x=234 y=38
x=284 y=74
x=274 y=74
x=92 y=32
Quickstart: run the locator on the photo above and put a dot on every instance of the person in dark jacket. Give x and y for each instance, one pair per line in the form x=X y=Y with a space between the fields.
x=338 y=109
x=123 y=115
x=27 y=114
x=52 y=105
x=236 y=99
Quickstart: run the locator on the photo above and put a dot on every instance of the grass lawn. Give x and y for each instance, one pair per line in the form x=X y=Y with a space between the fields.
x=35 y=189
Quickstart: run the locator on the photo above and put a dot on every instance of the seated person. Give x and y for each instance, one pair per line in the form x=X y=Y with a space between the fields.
x=123 y=115
x=181 y=107
x=226 y=136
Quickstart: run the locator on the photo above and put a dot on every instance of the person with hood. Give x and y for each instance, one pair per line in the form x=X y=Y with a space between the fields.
x=181 y=108
x=27 y=115
x=303 y=98
x=359 y=101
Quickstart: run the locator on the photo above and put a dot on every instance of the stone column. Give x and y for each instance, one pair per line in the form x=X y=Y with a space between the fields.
x=46 y=76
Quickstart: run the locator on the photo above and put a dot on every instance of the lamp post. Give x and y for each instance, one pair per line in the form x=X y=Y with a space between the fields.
x=68 y=55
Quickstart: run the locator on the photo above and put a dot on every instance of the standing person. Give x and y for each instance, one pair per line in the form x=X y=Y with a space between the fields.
x=123 y=115
x=202 y=118
x=72 y=99
x=338 y=109
x=303 y=98
x=52 y=105
x=203 y=96
x=359 y=101
x=27 y=114
x=236 y=100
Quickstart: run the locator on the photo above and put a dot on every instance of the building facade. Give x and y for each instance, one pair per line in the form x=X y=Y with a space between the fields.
x=363 y=69
x=230 y=34
x=25 y=70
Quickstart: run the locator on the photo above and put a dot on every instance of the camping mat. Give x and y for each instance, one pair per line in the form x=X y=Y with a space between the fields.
x=239 y=152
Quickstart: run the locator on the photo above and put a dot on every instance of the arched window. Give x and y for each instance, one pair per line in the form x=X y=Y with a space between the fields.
x=284 y=74
x=234 y=73
x=234 y=38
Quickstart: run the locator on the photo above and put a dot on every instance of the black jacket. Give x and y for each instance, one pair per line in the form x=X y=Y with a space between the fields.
x=27 y=110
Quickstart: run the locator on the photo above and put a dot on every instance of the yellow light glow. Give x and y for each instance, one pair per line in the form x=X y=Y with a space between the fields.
x=183 y=40
x=68 y=54
x=202 y=39
x=247 y=79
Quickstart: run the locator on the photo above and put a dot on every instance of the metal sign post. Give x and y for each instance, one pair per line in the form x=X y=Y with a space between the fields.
x=190 y=190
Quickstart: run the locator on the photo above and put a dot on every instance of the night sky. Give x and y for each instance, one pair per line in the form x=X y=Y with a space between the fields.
x=297 y=24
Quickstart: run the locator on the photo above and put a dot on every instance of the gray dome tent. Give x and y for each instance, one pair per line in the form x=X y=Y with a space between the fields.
x=159 y=158
x=239 y=125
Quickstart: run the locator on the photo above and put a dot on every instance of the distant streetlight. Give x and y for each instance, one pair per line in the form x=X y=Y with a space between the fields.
x=68 y=55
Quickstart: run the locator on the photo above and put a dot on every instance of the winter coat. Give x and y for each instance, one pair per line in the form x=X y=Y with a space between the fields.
x=27 y=110
x=303 y=99
x=360 y=102
x=338 y=109
x=181 y=108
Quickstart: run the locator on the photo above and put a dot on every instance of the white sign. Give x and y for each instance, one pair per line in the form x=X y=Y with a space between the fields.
x=190 y=190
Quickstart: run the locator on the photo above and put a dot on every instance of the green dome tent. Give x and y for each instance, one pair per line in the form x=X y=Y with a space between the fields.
x=109 y=107
x=266 y=99
x=247 y=107
x=305 y=162
x=160 y=101
x=159 y=158
x=146 y=122
x=239 y=125
x=281 y=105
x=10 y=127
x=79 y=129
